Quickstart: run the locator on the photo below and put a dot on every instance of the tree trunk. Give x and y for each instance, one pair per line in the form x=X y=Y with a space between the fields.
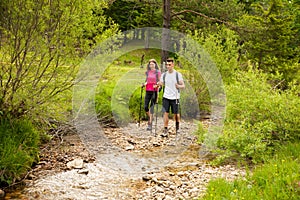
x=166 y=32
x=147 y=35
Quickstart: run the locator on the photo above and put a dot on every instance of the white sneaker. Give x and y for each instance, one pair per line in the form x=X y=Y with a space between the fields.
x=164 y=133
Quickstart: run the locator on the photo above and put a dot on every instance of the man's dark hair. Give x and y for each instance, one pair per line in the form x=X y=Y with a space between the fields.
x=170 y=60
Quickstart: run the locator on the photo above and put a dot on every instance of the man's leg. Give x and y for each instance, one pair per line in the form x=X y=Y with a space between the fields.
x=166 y=106
x=166 y=122
x=166 y=119
x=175 y=110
x=177 y=120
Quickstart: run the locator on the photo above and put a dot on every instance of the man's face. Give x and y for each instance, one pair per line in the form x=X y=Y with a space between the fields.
x=170 y=65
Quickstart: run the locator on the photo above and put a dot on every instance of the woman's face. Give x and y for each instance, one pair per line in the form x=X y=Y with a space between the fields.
x=152 y=65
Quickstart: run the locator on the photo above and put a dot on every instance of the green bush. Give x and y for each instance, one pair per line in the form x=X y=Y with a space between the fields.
x=18 y=149
x=258 y=117
x=103 y=103
x=109 y=92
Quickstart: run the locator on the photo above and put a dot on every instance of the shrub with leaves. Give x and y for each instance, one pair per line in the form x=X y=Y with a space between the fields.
x=259 y=117
x=42 y=43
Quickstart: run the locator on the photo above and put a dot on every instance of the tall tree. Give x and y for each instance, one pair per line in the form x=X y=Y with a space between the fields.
x=206 y=14
x=271 y=36
x=166 y=33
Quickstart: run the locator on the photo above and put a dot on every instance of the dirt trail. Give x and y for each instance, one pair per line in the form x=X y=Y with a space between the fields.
x=129 y=163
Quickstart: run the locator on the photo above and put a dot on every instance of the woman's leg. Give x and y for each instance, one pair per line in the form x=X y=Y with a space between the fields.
x=148 y=100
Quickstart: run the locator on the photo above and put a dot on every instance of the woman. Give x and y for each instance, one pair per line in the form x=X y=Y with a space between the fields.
x=152 y=77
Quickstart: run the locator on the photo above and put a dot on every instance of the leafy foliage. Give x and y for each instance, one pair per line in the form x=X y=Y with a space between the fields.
x=259 y=118
x=204 y=15
x=134 y=14
x=223 y=48
x=41 y=44
x=271 y=38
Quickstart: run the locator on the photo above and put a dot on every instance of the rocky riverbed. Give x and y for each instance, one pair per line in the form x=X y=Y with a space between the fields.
x=135 y=164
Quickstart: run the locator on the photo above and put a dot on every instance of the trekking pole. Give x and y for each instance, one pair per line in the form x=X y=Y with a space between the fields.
x=152 y=108
x=140 y=106
x=176 y=115
x=156 y=110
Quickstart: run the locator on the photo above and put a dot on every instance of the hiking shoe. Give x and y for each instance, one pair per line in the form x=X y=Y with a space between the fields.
x=149 y=128
x=165 y=133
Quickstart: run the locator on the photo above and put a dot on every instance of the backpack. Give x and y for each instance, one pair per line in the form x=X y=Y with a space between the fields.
x=177 y=79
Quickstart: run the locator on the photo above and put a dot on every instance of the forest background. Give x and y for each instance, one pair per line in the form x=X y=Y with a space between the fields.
x=255 y=45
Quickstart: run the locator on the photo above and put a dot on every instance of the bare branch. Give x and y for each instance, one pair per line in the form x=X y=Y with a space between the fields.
x=204 y=16
x=238 y=29
x=185 y=22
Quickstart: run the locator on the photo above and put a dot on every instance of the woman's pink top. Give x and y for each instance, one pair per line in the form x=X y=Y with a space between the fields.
x=151 y=79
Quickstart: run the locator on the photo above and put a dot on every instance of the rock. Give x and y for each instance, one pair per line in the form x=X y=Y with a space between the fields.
x=83 y=171
x=185 y=195
x=42 y=163
x=163 y=178
x=76 y=164
x=193 y=191
x=146 y=178
x=131 y=141
x=194 y=164
x=181 y=173
x=171 y=173
x=168 y=197
x=172 y=187
x=159 y=189
x=160 y=196
x=156 y=144
x=31 y=177
x=155 y=180
x=234 y=173
x=185 y=177
x=2 y=193
x=129 y=147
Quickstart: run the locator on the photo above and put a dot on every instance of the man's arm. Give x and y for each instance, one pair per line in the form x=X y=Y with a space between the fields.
x=180 y=84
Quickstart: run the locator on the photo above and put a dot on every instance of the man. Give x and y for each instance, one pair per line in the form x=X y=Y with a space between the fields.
x=173 y=82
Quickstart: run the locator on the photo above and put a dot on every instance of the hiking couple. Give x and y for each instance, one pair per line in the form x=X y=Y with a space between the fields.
x=172 y=82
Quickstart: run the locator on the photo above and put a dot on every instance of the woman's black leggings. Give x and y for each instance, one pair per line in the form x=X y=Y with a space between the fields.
x=150 y=98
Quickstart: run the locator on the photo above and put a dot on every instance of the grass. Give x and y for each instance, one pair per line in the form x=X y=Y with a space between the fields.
x=120 y=73
x=116 y=80
x=279 y=178
x=18 y=149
